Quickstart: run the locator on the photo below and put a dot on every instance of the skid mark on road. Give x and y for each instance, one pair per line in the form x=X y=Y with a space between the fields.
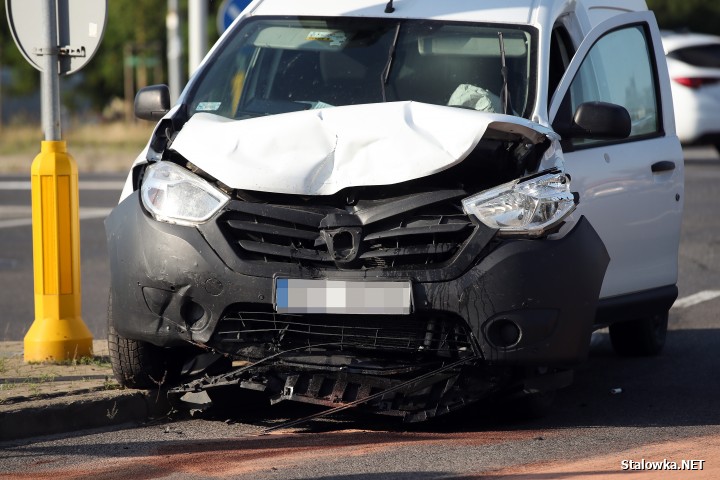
x=253 y=456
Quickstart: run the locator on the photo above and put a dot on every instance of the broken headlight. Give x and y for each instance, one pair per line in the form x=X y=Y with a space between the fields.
x=530 y=206
x=173 y=194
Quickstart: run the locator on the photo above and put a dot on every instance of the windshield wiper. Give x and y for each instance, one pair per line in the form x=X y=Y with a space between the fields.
x=388 y=65
x=504 y=94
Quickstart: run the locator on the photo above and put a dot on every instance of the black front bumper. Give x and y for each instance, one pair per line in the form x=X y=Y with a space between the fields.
x=525 y=303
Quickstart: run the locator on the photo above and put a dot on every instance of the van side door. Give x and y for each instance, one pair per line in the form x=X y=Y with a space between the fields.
x=631 y=189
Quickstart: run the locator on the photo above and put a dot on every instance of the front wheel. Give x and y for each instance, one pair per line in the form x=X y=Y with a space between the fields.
x=138 y=364
x=640 y=338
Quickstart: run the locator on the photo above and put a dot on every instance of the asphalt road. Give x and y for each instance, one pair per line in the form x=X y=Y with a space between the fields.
x=653 y=409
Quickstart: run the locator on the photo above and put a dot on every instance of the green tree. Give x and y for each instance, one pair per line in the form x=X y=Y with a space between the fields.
x=132 y=24
x=694 y=15
x=135 y=27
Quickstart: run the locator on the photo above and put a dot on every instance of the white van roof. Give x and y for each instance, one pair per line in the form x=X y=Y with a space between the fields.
x=526 y=12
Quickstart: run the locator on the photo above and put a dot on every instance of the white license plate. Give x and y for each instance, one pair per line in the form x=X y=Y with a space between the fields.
x=340 y=296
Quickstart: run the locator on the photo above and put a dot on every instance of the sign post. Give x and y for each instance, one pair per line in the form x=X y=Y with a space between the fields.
x=67 y=41
x=50 y=71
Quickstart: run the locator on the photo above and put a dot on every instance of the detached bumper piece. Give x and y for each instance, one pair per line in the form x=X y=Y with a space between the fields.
x=418 y=394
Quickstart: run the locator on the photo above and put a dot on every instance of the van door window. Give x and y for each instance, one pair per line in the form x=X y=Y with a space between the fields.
x=561 y=51
x=619 y=69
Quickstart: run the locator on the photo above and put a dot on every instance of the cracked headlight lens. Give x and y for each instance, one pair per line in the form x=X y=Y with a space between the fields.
x=528 y=207
x=173 y=194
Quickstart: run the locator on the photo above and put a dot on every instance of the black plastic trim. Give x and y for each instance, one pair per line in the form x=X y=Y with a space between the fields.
x=663 y=166
x=463 y=259
x=406 y=204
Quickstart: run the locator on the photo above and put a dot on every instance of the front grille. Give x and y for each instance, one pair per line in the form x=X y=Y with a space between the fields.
x=423 y=240
x=414 y=231
x=435 y=334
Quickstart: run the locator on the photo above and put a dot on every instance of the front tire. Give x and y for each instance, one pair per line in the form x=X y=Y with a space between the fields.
x=643 y=337
x=138 y=364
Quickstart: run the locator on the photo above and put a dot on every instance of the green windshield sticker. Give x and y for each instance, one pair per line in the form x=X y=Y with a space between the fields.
x=208 y=106
x=335 y=39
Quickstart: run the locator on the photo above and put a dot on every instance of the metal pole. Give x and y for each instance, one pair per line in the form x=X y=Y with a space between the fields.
x=198 y=17
x=50 y=77
x=174 y=51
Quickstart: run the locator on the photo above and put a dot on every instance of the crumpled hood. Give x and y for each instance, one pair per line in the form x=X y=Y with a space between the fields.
x=320 y=152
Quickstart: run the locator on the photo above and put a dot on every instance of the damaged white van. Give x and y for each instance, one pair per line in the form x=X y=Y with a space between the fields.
x=407 y=206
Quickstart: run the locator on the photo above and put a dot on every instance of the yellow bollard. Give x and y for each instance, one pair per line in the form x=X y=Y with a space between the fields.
x=58 y=332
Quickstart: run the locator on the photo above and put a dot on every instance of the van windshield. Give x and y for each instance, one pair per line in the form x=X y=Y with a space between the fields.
x=269 y=66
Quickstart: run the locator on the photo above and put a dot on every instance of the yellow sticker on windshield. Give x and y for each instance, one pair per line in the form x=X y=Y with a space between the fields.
x=334 y=39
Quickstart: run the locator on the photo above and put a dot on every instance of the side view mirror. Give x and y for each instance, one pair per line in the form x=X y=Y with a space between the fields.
x=596 y=121
x=152 y=103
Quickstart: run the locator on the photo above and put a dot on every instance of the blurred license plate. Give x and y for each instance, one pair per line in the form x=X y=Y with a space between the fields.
x=340 y=296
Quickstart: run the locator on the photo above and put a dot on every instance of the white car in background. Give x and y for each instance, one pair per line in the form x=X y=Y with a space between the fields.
x=694 y=65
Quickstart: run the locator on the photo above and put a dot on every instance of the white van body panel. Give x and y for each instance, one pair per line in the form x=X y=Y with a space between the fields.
x=492 y=11
x=631 y=206
x=320 y=152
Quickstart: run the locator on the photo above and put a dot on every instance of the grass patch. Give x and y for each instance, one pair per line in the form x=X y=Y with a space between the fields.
x=46 y=378
x=118 y=136
x=111 y=384
x=107 y=147
x=19 y=139
x=101 y=361
x=95 y=361
x=3 y=364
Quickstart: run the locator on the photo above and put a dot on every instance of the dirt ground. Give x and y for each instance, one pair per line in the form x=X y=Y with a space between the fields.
x=20 y=381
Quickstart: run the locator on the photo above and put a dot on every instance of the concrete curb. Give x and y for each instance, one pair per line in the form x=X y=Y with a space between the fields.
x=79 y=412
x=39 y=399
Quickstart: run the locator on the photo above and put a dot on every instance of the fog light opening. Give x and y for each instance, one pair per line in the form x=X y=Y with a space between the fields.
x=191 y=312
x=503 y=333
